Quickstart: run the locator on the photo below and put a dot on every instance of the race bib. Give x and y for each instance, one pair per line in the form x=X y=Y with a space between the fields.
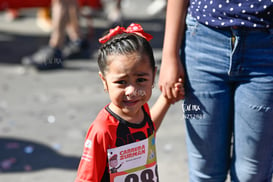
x=135 y=162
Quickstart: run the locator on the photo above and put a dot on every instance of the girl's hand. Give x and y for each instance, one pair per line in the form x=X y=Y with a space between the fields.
x=178 y=90
x=170 y=71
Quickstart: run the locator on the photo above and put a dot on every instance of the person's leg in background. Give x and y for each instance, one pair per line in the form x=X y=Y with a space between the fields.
x=60 y=19
x=50 y=56
x=77 y=44
x=64 y=17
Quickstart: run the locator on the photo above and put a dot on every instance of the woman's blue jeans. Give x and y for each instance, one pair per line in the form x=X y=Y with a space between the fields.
x=228 y=107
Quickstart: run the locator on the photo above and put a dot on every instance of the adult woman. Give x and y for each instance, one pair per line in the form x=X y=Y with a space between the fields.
x=228 y=75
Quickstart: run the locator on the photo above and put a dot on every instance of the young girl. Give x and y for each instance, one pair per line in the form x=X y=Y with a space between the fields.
x=120 y=143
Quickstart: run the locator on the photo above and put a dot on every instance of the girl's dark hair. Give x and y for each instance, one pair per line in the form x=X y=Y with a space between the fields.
x=124 y=44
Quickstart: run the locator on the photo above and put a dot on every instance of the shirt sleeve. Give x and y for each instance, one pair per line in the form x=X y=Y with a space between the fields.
x=147 y=109
x=94 y=158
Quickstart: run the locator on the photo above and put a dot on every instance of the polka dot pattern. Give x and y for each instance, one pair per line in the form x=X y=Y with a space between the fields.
x=226 y=13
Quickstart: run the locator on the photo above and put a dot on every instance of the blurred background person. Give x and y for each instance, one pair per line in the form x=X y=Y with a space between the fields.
x=65 y=22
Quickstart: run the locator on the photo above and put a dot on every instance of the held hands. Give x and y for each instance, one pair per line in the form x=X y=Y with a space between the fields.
x=171 y=73
x=163 y=103
x=178 y=90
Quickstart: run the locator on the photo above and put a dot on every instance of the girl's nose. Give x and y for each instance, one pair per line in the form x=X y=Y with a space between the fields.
x=130 y=90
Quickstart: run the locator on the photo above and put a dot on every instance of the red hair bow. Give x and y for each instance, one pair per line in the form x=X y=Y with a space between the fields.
x=133 y=28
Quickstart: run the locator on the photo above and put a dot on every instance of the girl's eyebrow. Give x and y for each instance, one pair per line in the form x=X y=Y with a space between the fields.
x=121 y=76
x=142 y=74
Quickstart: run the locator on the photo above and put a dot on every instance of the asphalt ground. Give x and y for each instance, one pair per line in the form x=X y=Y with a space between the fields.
x=44 y=115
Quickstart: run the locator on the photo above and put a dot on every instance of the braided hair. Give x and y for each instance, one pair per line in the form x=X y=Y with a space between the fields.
x=124 y=44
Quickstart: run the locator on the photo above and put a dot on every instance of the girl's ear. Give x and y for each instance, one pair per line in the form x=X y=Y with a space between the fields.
x=155 y=70
x=103 y=81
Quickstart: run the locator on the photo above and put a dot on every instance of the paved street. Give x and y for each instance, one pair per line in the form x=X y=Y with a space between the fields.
x=44 y=115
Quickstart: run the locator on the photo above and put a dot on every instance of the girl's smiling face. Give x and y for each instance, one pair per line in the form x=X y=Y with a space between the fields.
x=129 y=80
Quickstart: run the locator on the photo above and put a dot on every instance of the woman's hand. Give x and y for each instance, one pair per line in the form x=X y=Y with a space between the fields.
x=170 y=72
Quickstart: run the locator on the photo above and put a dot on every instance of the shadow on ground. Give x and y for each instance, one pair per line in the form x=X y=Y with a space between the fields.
x=24 y=156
